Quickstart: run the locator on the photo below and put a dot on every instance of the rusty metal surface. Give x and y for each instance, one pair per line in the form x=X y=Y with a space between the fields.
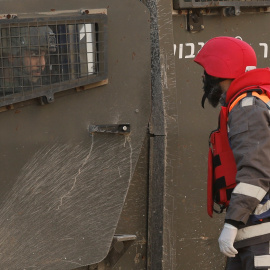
x=62 y=189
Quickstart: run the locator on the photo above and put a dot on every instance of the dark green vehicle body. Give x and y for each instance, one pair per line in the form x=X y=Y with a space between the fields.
x=104 y=165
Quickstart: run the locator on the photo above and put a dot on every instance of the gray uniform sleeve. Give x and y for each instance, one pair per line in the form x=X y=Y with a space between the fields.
x=249 y=135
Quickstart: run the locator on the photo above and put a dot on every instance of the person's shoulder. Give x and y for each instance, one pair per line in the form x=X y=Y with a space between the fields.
x=250 y=109
x=250 y=103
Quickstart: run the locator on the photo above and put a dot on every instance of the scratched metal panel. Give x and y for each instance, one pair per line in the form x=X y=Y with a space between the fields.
x=62 y=190
x=196 y=234
x=133 y=218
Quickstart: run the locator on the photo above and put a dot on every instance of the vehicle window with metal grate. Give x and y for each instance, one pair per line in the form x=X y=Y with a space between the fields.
x=41 y=57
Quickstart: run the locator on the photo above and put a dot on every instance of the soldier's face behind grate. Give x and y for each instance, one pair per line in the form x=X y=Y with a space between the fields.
x=34 y=64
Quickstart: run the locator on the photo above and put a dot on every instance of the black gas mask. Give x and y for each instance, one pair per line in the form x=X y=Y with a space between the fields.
x=212 y=89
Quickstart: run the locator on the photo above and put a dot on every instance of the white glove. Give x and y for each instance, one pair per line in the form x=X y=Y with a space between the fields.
x=226 y=240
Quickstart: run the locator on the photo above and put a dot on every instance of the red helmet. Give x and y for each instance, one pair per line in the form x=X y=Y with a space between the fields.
x=226 y=57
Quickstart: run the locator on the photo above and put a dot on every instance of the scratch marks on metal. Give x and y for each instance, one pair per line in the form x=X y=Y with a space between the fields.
x=63 y=208
x=78 y=174
x=169 y=232
x=128 y=139
x=119 y=172
x=164 y=68
x=72 y=262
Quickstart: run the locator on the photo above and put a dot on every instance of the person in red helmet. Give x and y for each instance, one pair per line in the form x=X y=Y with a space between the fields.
x=232 y=79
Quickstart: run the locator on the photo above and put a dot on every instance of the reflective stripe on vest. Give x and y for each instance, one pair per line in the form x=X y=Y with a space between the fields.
x=262 y=97
x=262 y=208
x=250 y=190
x=252 y=231
x=262 y=261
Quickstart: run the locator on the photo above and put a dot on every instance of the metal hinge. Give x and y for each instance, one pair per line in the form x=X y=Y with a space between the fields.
x=195 y=21
x=120 y=244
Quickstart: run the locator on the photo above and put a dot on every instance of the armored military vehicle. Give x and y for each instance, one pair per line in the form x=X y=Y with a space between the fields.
x=103 y=141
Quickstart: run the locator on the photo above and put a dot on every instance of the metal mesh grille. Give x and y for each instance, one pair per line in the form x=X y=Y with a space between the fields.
x=215 y=3
x=40 y=58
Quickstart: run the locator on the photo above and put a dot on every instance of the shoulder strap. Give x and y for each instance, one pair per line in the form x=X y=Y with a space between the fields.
x=232 y=105
x=262 y=97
